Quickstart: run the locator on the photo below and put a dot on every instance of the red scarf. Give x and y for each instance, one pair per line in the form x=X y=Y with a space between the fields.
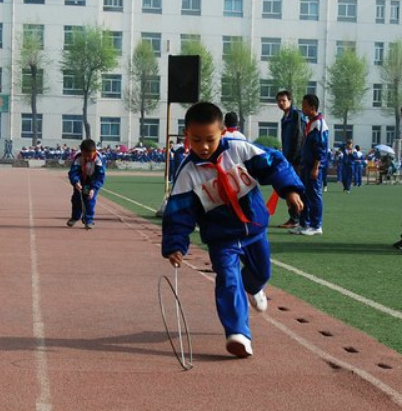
x=231 y=129
x=84 y=165
x=226 y=191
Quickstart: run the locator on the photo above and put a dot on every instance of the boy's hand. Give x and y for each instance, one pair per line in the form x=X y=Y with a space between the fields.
x=294 y=202
x=314 y=173
x=176 y=259
x=91 y=194
x=78 y=186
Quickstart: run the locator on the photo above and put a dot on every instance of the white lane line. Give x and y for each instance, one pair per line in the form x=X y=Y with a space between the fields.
x=357 y=297
x=394 y=395
x=44 y=400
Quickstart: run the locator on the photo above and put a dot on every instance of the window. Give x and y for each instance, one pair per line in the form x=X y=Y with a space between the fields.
x=110 y=128
x=72 y=127
x=376 y=135
x=151 y=128
x=390 y=135
x=380 y=12
x=342 y=46
x=1 y=77
x=27 y=81
x=27 y=125
x=153 y=87
x=191 y=7
x=347 y=10
x=270 y=47
x=1 y=35
x=189 y=38
x=338 y=133
x=378 y=53
x=272 y=9
x=113 y=5
x=390 y=96
x=116 y=38
x=225 y=90
x=155 y=40
x=71 y=86
x=377 y=95
x=34 y=31
x=227 y=43
x=75 y=2
x=34 y=1
x=309 y=9
x=394 y=12
x=111 y=85
x=0 y=113
x=233 y=8
x=180 y=127
x=268 y=91
x=311 y=87
x=309 y=50
x=68 y=35
x=152 y=6
x=268 y=129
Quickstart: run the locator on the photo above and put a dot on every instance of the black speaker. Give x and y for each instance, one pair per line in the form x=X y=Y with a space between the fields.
x=184 y=75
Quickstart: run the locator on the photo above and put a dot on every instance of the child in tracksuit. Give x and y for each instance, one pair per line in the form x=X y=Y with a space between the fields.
x=216 y=188
x=87 y=175
x=359 y=165
x=313 y=161
x=348 y=167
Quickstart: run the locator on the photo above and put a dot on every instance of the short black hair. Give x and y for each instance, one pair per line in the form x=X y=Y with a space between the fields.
x=312 y=100
x=231 y=119
x=357 y=148
x=88 y=145
x=349 y=141
x=203 y=113
x=286 y=93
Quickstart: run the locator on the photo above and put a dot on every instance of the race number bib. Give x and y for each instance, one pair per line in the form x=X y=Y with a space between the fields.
x=240 y=180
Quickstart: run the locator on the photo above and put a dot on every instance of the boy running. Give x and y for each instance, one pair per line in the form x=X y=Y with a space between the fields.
x=87 y=175
x=216 y=188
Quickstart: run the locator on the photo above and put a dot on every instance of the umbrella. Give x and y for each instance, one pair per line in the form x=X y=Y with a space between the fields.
x=385 y=149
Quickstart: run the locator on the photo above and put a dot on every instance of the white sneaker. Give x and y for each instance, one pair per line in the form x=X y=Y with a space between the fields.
x=297 y=230
x=239 y=345
x=325 y=189
x=312 y=231
x=259 y=301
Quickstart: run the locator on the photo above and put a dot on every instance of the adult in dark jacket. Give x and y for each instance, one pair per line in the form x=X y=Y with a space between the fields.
x=293 y=125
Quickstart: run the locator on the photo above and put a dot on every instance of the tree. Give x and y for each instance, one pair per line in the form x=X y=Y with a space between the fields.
x=391 y=75
x=30 y=65
x=241 y=81
x=347 y=85
x=90 y=53
x=289 y=70
x=143 y=93
x=196 y=48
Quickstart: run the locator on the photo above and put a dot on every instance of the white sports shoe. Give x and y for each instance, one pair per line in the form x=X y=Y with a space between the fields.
x=297 y=230
x=259 y=301
x=239 y=345
x=312 y=231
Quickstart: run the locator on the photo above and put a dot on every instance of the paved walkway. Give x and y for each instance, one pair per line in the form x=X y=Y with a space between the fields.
x=80 y=327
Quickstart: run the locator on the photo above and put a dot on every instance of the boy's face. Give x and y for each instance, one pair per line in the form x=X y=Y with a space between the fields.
x=204 y=138
x=88 y=155
x=284 y=103
x=308 y=110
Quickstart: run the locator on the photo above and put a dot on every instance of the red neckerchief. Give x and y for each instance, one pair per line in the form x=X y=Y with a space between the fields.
x=231 y=129
x=226 y=191
x=309 y=124
x=84 y=165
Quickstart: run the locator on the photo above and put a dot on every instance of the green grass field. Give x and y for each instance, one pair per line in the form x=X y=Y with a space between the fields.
x=355 y=251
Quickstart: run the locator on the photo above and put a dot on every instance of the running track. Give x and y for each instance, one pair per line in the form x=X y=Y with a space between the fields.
x=80 y=327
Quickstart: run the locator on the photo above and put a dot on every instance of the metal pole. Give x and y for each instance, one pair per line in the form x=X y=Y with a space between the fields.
x=167 y=162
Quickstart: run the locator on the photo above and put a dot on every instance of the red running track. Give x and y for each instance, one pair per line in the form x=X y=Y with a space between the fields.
x=80 y=327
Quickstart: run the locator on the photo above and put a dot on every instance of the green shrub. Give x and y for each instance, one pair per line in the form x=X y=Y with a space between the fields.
x=268 y=141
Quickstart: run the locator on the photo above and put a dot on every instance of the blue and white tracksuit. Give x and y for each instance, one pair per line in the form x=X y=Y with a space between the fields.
x=314 y=148
x=326 y=167
x=359 y=164
x=195 y=200
x=339 y=166
x=95 y=177
x=348 y=168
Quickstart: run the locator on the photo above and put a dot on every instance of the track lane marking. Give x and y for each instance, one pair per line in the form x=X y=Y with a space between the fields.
x=350 y=294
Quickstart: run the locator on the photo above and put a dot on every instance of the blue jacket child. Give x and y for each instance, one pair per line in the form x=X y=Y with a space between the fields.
x=217 y=189
x=87 y=175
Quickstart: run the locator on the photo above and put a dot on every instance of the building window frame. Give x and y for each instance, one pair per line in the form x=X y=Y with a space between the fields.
x=390 y=135
x=113 y=5
x=110 y=128
x=309 y=50
x=269 y=47
x=380 y=12
x=70 y=86
x=227 y=42
x=151 y=128
x=395 y=12
x=75 y=2
x=268 y=129
x=27 y=125
x=191 y=7
x=379 y=48
x=375 y=135
x=233 y=8
x=347 y=10
x=37 y=29
x=267 y=91
x=309 y=10
x=272 y=9
x=377 y=95
x=111 y=86
x=338 y=133
x=72 y=127
x=155 y=40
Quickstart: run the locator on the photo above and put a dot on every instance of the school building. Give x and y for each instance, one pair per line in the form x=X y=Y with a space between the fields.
x=320 y=28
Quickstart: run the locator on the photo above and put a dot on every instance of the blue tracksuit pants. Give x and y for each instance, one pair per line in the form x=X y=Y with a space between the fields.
x=358 y=174
x=232 y=281
x=312 y=199
x=77 y=206
x=347 y=176
x=339 y=168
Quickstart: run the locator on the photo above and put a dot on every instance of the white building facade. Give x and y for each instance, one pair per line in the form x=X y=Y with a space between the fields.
x=321 y=29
